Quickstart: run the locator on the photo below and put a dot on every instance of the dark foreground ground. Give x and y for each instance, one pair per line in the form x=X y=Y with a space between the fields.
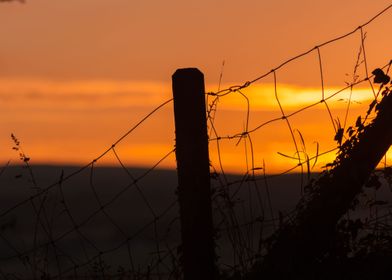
x=100 y=222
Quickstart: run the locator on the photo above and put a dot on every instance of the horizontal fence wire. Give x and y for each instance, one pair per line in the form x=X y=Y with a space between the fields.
x=83 y=227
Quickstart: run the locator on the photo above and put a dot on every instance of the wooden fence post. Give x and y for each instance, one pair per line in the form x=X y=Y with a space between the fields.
x=198 y=257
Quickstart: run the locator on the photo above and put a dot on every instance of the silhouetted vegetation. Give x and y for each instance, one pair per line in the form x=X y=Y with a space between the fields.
x=319 y=242
x=95 y=222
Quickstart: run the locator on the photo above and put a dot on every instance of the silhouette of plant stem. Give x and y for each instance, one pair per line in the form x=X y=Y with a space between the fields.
x=24 y=158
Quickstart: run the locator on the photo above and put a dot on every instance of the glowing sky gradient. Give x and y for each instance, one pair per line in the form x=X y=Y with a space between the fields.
x=75 y=75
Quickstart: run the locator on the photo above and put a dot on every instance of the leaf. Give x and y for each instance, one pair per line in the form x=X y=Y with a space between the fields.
x=386 y=79
x=358 y=123
x=380 y=77
x=339 y=136
x=371 y=106
x=339 y=132
x=350 y=131
x=329 y=165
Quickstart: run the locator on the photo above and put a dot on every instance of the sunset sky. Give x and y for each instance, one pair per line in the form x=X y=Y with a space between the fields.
x=75 y=75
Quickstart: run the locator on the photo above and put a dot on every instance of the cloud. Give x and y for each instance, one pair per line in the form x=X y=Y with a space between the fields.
x=41 y=93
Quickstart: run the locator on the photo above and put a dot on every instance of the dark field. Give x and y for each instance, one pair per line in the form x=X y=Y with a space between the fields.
x=100 y=220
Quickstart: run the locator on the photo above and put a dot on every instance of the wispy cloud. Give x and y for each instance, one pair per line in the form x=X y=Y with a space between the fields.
x=31 y=92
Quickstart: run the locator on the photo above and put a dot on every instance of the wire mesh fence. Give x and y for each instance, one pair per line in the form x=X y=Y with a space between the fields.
x=99 y=222
x=94 y=221
x=250 y=208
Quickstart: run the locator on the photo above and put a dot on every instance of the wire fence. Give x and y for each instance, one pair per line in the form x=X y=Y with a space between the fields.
x=250 y=208
x=77 y=227
x=109 y=223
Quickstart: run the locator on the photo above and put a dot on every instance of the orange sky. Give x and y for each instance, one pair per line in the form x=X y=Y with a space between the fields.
x=75 y=75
